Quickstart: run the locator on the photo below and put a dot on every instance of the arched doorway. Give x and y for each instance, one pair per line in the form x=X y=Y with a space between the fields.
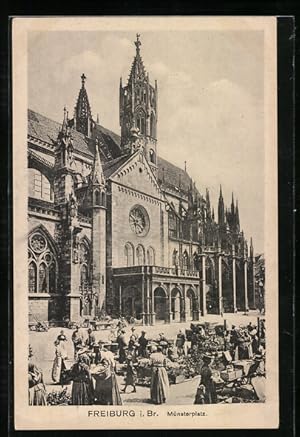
x=160 y=304
x=211 y=287
x=132 y=303
x=240 y=286
x=176 y=304
x=190 y=303
x=227 y=291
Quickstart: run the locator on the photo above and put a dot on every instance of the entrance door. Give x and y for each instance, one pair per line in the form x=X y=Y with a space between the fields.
x=160 y=303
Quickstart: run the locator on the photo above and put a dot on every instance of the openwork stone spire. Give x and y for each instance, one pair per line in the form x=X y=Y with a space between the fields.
x=83 y=114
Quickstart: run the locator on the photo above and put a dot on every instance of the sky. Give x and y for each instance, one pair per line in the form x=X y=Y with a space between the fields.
x=210 y=100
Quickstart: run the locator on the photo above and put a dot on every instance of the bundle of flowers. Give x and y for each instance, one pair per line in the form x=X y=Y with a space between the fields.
x=59 y=397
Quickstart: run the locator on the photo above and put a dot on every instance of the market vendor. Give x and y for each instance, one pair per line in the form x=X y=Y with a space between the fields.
x=159 y=390
x=122 y=343
x=106 y=388
x=143 y=342
x=91 y=340
x=210 y=396
x=172 y=353
x=180 y=341
x=130 y=378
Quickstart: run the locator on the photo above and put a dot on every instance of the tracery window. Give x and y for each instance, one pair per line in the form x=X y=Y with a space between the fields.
x=152 y=126
x=39 y=186
x=185 y=260
x=42 y=265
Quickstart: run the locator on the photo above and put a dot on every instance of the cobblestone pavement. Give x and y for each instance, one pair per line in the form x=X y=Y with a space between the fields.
x=43 y=348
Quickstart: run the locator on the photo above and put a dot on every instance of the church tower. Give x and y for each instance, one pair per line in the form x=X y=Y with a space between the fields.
x=98 y=195
x=221 y=210
x=82 y=113
x=138 y=108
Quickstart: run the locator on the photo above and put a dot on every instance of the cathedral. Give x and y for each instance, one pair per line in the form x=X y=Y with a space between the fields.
x=115 y=229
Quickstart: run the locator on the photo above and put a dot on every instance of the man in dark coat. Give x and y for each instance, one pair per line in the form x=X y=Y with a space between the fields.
x=91 y=340
x=143 y=342
x=122 y=343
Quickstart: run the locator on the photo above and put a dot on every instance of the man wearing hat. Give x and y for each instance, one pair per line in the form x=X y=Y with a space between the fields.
x=91 y=340
x=77 y=340
x=122 y=343
x=143 y=342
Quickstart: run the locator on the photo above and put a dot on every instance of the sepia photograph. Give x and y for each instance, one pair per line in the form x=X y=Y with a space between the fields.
x=145 y=179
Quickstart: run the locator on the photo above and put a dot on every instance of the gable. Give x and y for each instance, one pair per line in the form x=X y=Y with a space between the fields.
x=136 y=174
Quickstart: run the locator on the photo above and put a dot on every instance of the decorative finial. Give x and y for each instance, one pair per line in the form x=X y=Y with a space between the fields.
x=83 y=78
x=185 y=166
x=138 y=43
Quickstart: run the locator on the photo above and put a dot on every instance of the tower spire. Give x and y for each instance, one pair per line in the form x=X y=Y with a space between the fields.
x=97 y=174
x=83 y=114
x=137 y=44
x=221 y=210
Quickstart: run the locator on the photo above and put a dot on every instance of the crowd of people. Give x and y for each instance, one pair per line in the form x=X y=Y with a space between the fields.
x=94 y=371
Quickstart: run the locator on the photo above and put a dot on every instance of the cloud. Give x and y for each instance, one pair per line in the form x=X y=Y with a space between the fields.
x=86 y=62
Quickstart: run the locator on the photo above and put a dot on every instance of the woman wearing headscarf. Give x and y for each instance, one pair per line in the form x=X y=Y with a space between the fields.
x=36 y=387
x=209 y=389
x=59 y=361
x=159 y=390
x=106 y=389
x=82 y=388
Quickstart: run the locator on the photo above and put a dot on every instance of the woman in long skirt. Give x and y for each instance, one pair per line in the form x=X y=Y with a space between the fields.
x=59 y=361
x=207 y=383
x=37 y=390
x=82 y=388
x=159 y=390
x=106 y=389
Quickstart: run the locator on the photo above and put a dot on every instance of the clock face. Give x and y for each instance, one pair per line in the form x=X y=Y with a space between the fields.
x=139 y=221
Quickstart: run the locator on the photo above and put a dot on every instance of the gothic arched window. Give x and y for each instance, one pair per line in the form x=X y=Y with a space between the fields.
x=32 y=277
x=185 y=260
x=42 y=267
x=151 y=256
x=152 y=156
x=97 y=198
x=84 y=276
x=140 y=255
x=39 y=186
x=152 y=126
x=141 y=121
x=129 y=255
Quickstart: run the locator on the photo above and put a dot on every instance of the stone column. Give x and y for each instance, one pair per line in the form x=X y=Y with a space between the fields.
x=203 y=282
x=234 y=279
x=246 y=284
x=185 y=312
x=143 y=296
x=120 y=299
x=253 y=282
x=152 y=307
x=148 y=316
x=220 y=289
x=197 y=311
x=169 y=314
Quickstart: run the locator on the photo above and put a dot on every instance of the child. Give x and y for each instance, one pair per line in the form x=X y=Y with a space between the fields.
x=130 y=374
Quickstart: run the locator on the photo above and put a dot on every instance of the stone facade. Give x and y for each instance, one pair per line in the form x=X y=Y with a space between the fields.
x=113 y=227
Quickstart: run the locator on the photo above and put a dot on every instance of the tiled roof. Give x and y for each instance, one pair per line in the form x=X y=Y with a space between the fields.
x=171 y=176
x=45 y=129
x=111 y=166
